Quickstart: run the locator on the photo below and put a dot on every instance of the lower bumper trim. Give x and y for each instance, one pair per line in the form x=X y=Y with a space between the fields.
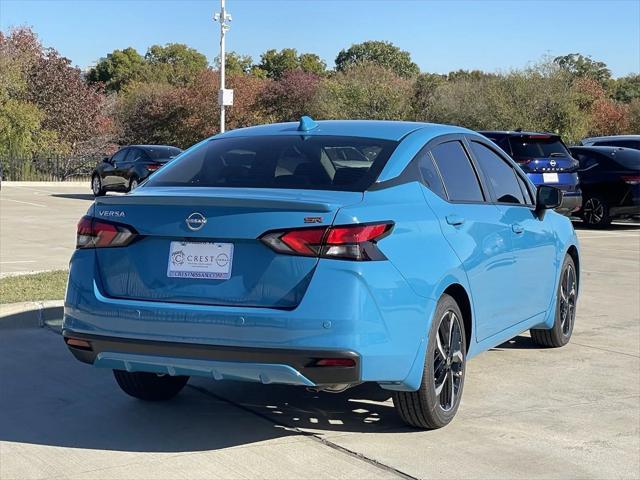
x=266 y=365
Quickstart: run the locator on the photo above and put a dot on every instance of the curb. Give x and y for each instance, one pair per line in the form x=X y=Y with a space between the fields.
x=29 y=314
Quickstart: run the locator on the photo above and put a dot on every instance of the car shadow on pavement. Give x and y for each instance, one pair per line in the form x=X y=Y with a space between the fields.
x=521 y=342
x=75 y=196
x=48 y=398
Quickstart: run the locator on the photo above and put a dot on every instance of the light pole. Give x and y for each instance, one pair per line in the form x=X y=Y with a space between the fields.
x=225 y=96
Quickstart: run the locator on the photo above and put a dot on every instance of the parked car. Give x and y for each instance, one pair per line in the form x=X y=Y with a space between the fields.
x=626 y=141
x=610 y=181
x=546 y=161
x=255 y=257
x=129 y=166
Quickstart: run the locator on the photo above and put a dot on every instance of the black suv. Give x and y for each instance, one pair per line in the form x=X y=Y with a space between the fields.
x=129 y=166
x=546 y=161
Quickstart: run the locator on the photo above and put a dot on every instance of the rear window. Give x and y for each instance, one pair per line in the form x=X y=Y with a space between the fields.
x=160 y=153
x=628 y=158
x=537 y=147
x=298 y=162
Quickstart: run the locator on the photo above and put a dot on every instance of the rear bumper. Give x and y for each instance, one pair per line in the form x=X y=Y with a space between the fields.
x=362 y=310
x=265 y=365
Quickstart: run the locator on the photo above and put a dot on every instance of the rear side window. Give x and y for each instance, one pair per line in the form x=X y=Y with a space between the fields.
x=500 y=174
x=297 y=162
x=119 y=155
x=537 y=146
x=162 y=153
x=430 y=175
x=459 y=177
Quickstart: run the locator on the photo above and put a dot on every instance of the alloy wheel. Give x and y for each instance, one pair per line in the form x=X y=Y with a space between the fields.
x=134 y=184
x=95 y=185
x=568 y=296
x=593 y=211
x=448 y=361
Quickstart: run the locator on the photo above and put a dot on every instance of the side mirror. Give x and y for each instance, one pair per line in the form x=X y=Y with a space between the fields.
x=548 y=197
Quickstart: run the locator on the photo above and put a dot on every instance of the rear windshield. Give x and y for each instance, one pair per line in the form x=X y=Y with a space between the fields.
x=627 y=158
x=537 y=147
x=162 y=153
x=311 y=162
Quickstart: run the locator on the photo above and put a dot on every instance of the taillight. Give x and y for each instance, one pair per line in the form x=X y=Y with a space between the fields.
x=96 y=233
x=524 y=161
x=153 y=167
x=631 y=179
x=347 y=242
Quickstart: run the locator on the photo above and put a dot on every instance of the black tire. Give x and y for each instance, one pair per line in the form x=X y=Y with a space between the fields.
x=149 y=386
x=595 y=212
x=567 y=296
x=426 y=408
x=96 y=186
x=133 y=183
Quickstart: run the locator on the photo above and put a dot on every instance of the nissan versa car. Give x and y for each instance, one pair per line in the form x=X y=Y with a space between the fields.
x=129 y=166
x=546 y=160
x=275 y=254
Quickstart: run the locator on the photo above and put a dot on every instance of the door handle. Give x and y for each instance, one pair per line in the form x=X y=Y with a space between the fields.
x=517 y=228
x=454 y=220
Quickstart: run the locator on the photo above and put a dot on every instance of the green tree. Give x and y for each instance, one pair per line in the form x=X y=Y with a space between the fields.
x=626 y=88
x=365 y=91
x=275 y=63
x=118 y=68
x=384 y=54
x=580 y=66
x=236 y=64
x=312 y=63
x=175 y=63
x=634 y=116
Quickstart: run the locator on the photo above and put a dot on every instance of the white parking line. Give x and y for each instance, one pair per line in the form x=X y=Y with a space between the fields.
x=26 y=203
x=18 y=261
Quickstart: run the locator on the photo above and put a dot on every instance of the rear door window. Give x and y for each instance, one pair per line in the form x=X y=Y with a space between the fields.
x=430 y=175
x=459 y=176
x=501 y=175
x=292 y=161
x=118 y=157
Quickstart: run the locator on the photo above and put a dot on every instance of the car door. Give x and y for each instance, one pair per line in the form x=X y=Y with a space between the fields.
x=110 y=176
x=532 y=276
x=472 y=226
x=125 y=168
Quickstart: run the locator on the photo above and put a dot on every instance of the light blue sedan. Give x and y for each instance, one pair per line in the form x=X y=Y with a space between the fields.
x=323 y=254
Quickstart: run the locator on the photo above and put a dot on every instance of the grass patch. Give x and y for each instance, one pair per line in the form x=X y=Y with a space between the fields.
x=37 y=286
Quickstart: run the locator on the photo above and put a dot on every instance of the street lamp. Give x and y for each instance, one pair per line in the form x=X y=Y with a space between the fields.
x=225 y=96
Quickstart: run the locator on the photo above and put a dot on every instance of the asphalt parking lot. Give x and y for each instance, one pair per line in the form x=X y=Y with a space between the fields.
x=527 y=412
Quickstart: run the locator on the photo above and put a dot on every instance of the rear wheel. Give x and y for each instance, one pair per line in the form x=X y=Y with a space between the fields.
x=437 y=400
x=96 y=186
x=595 y=212
x=149 y=386
x=567 y=296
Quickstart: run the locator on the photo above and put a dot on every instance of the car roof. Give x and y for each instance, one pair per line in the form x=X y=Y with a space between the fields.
x=145 y=147
x=381 y=129
x=514 y=133
x=612 y=137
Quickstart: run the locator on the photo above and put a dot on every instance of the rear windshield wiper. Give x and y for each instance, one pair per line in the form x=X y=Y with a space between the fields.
x=557 y=154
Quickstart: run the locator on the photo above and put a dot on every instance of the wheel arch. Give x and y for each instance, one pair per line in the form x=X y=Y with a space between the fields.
x=572 y=251
x=460 y=295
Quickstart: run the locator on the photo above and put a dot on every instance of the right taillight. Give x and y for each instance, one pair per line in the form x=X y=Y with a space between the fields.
x=631 y=179
x=346 y=242
x=95 y=233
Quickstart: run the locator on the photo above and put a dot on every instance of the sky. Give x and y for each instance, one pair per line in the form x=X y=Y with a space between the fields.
x=441 y=36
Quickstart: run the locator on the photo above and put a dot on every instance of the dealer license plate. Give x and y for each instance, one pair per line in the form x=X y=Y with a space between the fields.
x=200 y=260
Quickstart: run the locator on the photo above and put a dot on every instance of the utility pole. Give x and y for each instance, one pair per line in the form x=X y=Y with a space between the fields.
x=225 y=96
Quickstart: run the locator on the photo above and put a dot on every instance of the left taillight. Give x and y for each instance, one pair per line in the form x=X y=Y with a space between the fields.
x=153 y=167
x=631 y=179
x=95 y=233
x=345 y=242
